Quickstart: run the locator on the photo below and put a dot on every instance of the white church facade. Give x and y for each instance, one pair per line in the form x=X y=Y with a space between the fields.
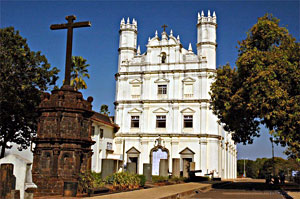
x=162 y=102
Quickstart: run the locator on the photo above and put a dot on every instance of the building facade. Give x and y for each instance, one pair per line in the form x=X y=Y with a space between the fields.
x=103 y=134
x=162 y=102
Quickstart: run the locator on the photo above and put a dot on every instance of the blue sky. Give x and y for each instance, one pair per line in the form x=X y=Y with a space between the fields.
x=99 y=43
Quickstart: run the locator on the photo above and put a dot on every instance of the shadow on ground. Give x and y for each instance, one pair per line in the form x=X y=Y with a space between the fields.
x=259 y=186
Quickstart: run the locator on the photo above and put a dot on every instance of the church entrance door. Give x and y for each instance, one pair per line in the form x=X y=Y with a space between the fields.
x=133 y=164
x=157 y=155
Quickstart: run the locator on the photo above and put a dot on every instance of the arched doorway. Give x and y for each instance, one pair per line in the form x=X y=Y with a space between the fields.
x=156 y=154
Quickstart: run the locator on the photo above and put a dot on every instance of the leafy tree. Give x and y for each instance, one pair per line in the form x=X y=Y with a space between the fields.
x=24 y=75
x=78 y=72
x=104 y=109
x=267 y=168
x=262 y=167
x=264 y=88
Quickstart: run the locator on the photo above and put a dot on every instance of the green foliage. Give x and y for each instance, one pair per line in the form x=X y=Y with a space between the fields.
x=178 y=179
x=157 y=179
x=89 y=180
x=142 y=180
x=262 y=167
x=124 y=180
x=104 y=109
x=78 y=72
x=24 y=75
x=263 y=89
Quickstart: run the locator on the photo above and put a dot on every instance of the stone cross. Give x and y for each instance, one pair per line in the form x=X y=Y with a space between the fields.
x=70 y=25
x=164 y=26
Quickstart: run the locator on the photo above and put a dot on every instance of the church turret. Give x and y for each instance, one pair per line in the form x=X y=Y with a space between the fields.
x=128 y=41
x=206 y=41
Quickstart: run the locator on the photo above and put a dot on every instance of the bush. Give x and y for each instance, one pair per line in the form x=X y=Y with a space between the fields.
x=157 y=179
x=123 y=180
x=177 y=179
x=142 y=180
x=90 y=180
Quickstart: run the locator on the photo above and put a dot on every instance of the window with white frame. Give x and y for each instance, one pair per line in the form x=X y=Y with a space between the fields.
x=163 y=57
x=162 y=89
x=135 y=121
x=188 y=121
x=160 y=121
x=101 y=133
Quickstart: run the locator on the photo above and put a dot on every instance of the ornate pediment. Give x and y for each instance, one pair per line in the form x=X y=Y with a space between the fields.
x=186 y=151
x=133 y=150
x=135 y=81
x=160 y=110
x=161 y=80
x=187 y=110
x=188 y=79
x=135 y=110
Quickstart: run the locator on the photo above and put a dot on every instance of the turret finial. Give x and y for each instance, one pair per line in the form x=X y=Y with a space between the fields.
x=138 y=52
x=202 y=13
x=190 y=48
x=156 y=34
x=198 y=15
x=214 y=14
x=178 y=38
x=128 y=21
x=149 y=39
x=208 y=13
x=171 y=32
x=134 y=22
x=123 y=21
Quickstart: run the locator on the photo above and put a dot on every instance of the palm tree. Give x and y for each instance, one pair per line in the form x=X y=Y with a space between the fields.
x=78 y=72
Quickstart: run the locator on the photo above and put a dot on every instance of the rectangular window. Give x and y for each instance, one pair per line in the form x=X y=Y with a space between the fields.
x=101 y=133
x=135 y=121
x=160 y=121
x=188 y=121
x=109 y=146
x=162 y=89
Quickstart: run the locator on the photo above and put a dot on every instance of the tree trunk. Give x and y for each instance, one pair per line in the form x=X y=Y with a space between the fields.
x=2 y=150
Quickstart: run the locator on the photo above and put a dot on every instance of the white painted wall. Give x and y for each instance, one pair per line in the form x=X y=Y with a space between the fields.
x=22 y=172
x=100 y=147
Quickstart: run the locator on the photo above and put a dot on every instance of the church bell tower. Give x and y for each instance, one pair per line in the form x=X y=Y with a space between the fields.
x=128 y=41
x=206 y=38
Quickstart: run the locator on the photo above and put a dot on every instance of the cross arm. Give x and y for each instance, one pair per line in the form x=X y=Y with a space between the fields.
x=73 y=25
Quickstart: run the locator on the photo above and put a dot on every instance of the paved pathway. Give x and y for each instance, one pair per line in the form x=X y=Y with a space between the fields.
x=241 y=188
x=157 y=192
x=218 y=193
x=295 y=195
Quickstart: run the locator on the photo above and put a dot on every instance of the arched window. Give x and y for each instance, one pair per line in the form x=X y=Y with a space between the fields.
x=163 y=57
